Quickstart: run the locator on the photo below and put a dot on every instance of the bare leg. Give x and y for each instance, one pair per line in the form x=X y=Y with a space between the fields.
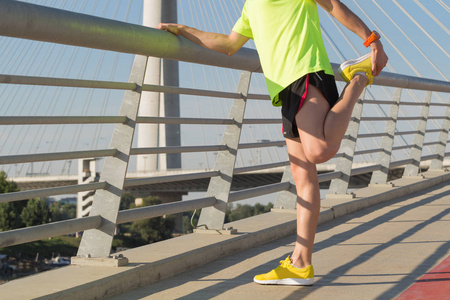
x=308 y=202
x=321 y=131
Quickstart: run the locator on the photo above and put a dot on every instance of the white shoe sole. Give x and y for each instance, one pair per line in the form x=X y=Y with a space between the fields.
x=287 y=281
x=352 y=62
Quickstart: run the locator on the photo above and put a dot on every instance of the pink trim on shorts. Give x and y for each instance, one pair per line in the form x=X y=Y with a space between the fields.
x=305 y=93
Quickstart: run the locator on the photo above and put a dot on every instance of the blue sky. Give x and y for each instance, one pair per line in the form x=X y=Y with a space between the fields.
x=406 y=47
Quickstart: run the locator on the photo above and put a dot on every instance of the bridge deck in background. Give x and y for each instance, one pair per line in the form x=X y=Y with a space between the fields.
x=377 y=253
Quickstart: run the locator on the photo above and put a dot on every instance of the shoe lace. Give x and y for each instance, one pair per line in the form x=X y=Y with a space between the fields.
x=285 y=263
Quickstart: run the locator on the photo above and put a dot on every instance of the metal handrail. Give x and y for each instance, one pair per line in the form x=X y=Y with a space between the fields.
x=69 y=189
x=177 y=149
x=50 y=120
x=171 y=120
x=63 y=82
x=170 y=178
x=39 y=232
x=163 y=209
x=40 y=157
x=259 y=191
x=261 y=167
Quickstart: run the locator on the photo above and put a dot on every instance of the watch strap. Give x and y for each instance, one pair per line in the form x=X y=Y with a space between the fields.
x=373 y=37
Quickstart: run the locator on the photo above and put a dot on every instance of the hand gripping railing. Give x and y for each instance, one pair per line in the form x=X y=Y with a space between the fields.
x=28 y=21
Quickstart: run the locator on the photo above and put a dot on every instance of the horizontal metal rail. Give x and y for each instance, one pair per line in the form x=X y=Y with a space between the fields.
x=375 y=119
x=200 y=175
x=400 y=163
x=39 y=232
x=262 y=121
x=431 y=156
x=396 y=148
x=62 y=82
x=329 y=176
x=159 y=210
x=258 y=97
x=259 y=191
x=203 y=121
x=62 y=190
x=410 y=118
x=189 y=91
x=260 y=167
x=170 y=178
x=371 y=135
x=29 y=21
x=116 y=85
x=407 y=132
x=365 y=170
x=438 y=117
x=177 y=149
x=389 y=102
x=262 y=144
x=53 y=120
x=27 y=158
x=434 y=130
x=381 y=102
x=439 y=104
x=409 y=103
x=410 y=146
x=195 y=121
x=381 y=134
x=185 y=149
x=369 y=151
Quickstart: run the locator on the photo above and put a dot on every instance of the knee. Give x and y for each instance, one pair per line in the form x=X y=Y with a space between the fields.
x=320 y=154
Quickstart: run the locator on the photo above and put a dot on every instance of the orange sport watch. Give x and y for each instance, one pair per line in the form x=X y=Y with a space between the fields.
x=373 y=37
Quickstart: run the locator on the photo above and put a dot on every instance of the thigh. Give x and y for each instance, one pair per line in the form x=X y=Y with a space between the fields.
x=311 y=118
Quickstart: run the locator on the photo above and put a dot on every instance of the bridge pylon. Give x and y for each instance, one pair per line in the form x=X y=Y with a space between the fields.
x=159 y=72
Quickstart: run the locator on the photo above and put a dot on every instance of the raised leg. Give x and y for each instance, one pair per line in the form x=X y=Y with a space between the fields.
x=321 y=129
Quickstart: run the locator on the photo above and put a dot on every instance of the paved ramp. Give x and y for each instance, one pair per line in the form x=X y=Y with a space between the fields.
x=377 y=253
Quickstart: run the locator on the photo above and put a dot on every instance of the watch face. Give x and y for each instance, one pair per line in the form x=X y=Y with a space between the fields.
x=376 y=34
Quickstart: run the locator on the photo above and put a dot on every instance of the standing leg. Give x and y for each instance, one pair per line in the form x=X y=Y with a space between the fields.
x=308 y=202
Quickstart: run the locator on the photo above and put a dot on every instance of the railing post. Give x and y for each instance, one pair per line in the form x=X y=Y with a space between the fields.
x=220 y=186
x=287 y=199
x=416 y=151
x=339 y=186
x=384 y=157
x=97 y=242
x=437 y=164
x=87 y=173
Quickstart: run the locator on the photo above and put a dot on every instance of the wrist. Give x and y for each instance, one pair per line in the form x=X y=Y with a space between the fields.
x=376 y=45
x=181 y=28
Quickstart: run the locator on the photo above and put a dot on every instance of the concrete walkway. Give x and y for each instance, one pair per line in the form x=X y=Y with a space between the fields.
x=376 y=253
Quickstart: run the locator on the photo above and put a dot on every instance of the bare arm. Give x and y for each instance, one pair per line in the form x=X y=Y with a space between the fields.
x=347 y=18
x=227 y=44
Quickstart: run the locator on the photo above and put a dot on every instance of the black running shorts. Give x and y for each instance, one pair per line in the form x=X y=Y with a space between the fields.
x=294 y=95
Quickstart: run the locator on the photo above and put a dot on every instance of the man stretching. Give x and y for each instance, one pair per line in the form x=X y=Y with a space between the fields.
x=300 y=79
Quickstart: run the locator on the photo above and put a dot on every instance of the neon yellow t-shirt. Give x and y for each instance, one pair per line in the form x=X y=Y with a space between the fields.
x=288 y=40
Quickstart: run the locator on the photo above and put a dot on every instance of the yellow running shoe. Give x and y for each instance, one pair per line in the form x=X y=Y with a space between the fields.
x=350 y=68
x=287 y=274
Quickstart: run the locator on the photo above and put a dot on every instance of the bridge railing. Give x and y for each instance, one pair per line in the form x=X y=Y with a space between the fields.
x=34 y=22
